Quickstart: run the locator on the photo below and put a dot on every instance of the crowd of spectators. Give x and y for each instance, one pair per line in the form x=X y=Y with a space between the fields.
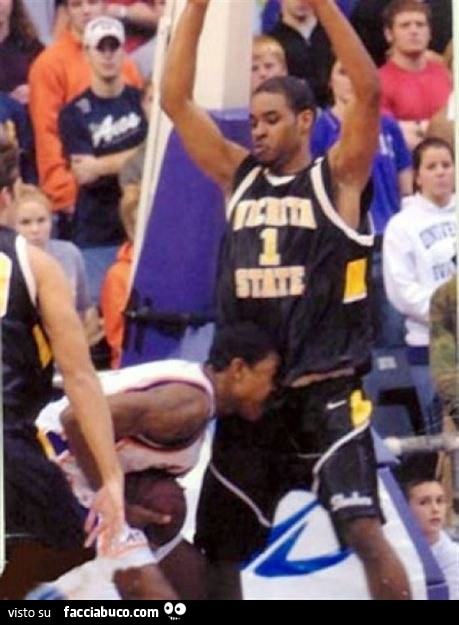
x=71 y=95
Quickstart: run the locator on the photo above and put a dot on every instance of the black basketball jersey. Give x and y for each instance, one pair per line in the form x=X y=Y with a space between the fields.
x=291 y=264
x=26 y=355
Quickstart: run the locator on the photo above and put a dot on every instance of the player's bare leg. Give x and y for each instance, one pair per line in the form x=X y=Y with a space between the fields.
x=385 y=574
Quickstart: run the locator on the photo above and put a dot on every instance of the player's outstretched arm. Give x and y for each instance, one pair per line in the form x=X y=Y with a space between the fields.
x=216 y=156
x=82 y=386
x=351 y=158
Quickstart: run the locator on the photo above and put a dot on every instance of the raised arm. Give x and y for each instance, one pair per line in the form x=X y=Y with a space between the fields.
x=351 y=158
x=216 y=156
x=81 y=385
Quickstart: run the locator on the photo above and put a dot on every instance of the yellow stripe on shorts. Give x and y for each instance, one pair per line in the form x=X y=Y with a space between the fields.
x=360 y=409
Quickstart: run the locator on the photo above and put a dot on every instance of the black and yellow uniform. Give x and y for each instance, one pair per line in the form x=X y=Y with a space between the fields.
x=38 y=500
x=27 y=358
x=291 y=264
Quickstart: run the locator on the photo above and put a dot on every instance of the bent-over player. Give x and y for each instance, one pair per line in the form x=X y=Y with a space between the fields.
x=160 y=411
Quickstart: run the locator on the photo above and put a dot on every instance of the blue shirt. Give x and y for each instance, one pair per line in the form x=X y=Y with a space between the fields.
x=100 y=127
x=392 y=157
x=271 y=11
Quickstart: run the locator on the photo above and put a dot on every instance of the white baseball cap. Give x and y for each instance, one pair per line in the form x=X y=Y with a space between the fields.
x=101 y=27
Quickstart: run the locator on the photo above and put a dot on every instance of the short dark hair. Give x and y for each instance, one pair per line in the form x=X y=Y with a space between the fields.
x=405 y=6
x=9 y=159
x=296 y=91
x=408 y=486
x=243 y=340
x=429 y=142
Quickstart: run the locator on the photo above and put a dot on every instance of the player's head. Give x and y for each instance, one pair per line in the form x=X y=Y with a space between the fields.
x=9 y=173
x=282 y=113
x=268 y=60
x=427 y=501
x=242 y=363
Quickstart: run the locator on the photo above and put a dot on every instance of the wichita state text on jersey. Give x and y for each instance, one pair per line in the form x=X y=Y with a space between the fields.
x=291 y=264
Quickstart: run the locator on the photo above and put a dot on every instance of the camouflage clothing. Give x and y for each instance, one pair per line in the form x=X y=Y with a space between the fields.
x=443 y=345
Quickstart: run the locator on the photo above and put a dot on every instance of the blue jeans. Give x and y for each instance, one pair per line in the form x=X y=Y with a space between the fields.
x=388 y=323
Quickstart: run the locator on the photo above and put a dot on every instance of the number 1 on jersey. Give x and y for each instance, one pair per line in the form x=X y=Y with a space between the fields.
x=269 y=257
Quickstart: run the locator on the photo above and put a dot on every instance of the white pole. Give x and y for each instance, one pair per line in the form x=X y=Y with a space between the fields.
x=155 y=148
x=222 y=82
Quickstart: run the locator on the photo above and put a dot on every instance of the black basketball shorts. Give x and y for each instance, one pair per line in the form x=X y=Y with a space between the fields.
x=316 y=437
x=39 y=503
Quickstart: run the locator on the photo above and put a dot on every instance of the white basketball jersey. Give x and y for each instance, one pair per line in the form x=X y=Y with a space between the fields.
x=135 y=454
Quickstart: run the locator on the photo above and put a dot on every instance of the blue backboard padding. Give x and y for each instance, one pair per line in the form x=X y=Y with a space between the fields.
x=178 y=262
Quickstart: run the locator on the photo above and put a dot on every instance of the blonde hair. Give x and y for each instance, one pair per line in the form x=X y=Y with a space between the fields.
x=264 y=43
x=29 y=192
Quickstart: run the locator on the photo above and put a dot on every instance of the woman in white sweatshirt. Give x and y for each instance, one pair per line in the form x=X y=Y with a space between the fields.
x=419 y=254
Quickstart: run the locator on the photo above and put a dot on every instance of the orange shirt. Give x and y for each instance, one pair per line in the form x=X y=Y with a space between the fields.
x=58 y=75
x=113 y=299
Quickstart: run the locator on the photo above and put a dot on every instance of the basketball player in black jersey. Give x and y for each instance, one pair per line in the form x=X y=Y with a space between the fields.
x=39 y=322
x=34 y=330
x=295 y=260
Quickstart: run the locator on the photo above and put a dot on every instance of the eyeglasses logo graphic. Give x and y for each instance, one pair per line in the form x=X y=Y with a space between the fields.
x=174 y=611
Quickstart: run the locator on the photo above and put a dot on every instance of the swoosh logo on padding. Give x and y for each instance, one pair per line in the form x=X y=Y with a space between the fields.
x=277 y=563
